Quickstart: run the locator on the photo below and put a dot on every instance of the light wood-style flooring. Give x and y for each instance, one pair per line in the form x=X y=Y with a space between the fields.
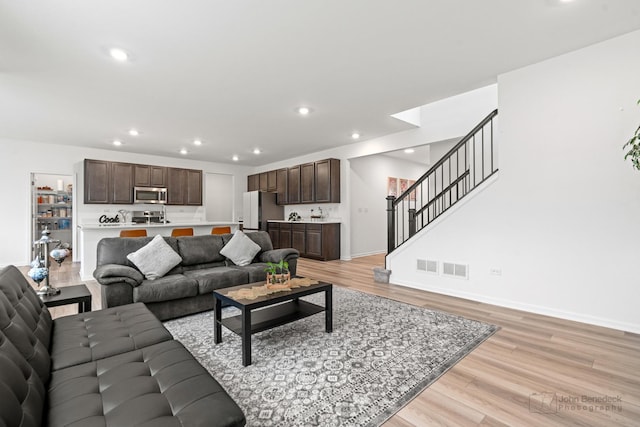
x=535 y=371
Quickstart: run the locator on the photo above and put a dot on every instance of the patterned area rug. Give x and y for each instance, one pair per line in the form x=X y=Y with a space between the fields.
x=381 y=354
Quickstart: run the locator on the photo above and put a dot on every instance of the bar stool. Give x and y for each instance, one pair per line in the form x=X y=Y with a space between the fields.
x=176 y=232
x=221 y=230
x=133 y=233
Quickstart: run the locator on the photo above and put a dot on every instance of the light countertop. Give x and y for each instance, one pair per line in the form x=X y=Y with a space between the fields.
x=171 y=224
x=307 y=221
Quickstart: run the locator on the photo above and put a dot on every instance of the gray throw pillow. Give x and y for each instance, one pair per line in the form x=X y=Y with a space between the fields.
x=240 y=249
x=155 y=259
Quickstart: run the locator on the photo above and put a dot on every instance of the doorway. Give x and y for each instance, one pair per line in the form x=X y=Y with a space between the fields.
x=52 y=207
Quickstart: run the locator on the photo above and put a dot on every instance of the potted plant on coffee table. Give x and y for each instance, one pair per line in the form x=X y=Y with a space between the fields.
x=278 y=274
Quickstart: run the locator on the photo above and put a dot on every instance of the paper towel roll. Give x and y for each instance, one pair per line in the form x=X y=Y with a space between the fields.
x=60 y=185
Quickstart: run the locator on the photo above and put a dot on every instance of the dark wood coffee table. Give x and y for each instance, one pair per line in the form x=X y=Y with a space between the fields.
x=267 y=312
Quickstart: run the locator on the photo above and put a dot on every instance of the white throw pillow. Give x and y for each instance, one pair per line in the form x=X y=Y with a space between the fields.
x=240 y=249
x=155 y=259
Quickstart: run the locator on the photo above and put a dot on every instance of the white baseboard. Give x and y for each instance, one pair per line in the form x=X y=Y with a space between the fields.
x=360 y=255
x=530 y=308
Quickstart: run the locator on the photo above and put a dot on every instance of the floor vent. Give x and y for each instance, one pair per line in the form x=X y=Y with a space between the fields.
x=455 y=270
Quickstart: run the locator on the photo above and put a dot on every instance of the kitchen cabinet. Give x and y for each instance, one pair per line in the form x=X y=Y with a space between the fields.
x=327 y=181
x=184 y=187
x=149 y=176
x=253 y=182
x=112 y=182
x=193 y=190
x=273 y=228
x=264 y=183
x=307 y=183
x=319 y=241
x=293 y=185
x=272 y=181
x=298 y=238
x=121 y=183
x=285 y=235
x=281 y=187
x=96 y=181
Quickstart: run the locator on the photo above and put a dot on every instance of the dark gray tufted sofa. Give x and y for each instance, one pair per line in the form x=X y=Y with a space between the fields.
x=114 y=367
x=188 y=288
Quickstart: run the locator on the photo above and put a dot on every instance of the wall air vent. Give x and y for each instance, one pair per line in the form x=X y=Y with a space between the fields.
x=432 y=266
x=460 y=271
x=421 y=265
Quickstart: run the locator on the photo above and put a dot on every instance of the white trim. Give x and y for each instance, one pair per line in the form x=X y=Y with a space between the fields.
x=545 y=311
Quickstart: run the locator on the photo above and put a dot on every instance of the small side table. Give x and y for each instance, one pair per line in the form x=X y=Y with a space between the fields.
x=70 y=295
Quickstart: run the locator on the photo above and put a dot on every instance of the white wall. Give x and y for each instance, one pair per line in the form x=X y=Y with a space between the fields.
x=19 y=158
x=561 y=219
x=218 y=199
x=368 y=205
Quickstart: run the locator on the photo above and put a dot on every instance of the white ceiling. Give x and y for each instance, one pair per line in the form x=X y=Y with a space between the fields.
x=232 y=72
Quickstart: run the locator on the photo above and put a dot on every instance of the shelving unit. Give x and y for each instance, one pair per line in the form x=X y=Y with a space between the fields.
x=53 y=209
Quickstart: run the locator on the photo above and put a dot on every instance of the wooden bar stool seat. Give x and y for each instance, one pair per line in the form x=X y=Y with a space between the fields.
x=221 y=230
x=176 y=232
x=133 y=233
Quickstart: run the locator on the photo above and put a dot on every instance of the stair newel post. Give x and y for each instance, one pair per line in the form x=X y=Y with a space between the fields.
x=412 y=221
x=391 y=224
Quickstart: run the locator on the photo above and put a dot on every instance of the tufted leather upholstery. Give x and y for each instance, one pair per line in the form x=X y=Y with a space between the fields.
x=99 y=334
x=114 y=367
x=23 y=338
x=26 y=302
x=22 y=394
x=161 y=385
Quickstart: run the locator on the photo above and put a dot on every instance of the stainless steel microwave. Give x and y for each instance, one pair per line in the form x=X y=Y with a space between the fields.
x=150 y=195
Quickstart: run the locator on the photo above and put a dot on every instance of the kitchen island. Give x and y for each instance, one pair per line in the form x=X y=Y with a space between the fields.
x=90 y=234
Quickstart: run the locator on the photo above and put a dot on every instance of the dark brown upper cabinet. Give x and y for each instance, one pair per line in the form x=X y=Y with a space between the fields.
x=314 y=182
x=149 y=176
x=184 y=187
x=281 y=187
x=272 y=181
x=96 y=181
x=121 y=185
x=264 y=181
x=253 y=182
x=327 y=181
x=193 y=196
x=293 y=185
x=307 y=183
x=112 y=182
x=108 y=182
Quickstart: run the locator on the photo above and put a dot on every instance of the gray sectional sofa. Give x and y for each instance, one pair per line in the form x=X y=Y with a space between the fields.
x=187 y=288
x=113 y=367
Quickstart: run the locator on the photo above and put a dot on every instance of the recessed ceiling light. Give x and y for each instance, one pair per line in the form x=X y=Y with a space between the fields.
x=134 y=132
x=117 y=143
x=409 y=151
x=355 y=135
x=118 y=54
x=256 y=151
x=235 y=158
x=183 y=151
x=304 y=111
x=197 y=142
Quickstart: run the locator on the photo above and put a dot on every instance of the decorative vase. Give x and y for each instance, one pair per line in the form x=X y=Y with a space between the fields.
x=38 y=274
